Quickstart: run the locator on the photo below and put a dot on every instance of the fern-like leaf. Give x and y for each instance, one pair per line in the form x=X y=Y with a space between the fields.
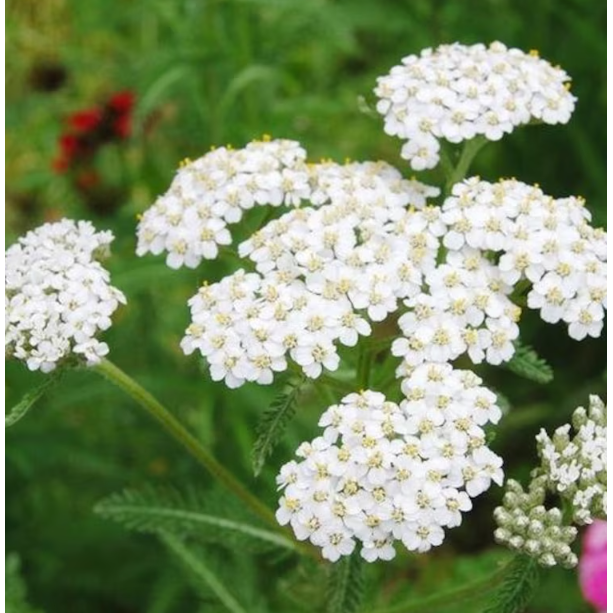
x=164 y=510
x=517 y=588
x=274 y=421
x=527 y=363
x=26 y=403
x=346 y=585
x=197 y=566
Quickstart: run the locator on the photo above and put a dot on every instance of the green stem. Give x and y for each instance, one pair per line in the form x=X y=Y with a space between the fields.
x=469 y=151
x=342 y=387
x=364 y=364
x=161 y=414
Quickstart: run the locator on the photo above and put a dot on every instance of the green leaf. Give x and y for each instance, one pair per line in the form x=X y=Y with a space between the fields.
x=197 y=566
x=346 y=585
x=162 y=510
x=274 y=421
x=15 y=588
x=26 y=403
x=513 y=582
x=526 y=363
x=517 y=588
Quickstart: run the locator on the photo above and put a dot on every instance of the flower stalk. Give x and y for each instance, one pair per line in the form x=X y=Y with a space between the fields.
x=170 y=423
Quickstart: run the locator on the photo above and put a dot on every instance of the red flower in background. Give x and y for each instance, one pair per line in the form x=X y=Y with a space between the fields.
x=87 y=131
x=120 y=105
x=122 y=102
x=90 y=129
x=85 y=121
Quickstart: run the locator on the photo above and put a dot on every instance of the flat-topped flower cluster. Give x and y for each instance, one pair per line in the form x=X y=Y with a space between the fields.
x=383 y=472
x=371 y=245
x=457 y=92
x=58 y=297
x=190 y=220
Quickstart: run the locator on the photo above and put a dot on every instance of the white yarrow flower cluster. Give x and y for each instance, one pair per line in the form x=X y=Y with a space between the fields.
x=545 y=241
x=57 y=295
x=575 y=470
x=465 y=309
x=190 y=220
x=457 y=92
x=383 y=472
x=323 y=271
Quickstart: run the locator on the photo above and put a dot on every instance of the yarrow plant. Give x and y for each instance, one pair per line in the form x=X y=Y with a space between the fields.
x=409 y=276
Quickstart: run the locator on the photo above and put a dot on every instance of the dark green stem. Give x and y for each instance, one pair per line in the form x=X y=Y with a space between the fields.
x=363 y=369
x=455 y=175
x=163 y=416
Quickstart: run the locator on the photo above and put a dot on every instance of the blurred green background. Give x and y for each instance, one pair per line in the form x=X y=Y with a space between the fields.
x=226 y=71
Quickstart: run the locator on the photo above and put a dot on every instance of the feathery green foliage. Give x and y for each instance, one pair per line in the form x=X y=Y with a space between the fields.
x=346 y=584
x=517 y=588
x=198 y=567
x=26 y=403
x=197 y=513
x=528 y=364
x=275 y=420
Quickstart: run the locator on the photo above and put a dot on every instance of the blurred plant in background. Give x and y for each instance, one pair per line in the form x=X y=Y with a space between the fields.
x=210 y=73
x=80 y=144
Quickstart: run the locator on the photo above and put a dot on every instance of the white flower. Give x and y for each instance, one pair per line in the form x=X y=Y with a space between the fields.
x=456 y=92
x=576 y=468
x=190 y=220
x=57 y=295
x=383 y=472
x=545 y=241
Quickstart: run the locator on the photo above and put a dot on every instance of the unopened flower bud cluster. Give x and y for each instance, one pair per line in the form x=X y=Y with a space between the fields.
x=57 y=295
x=457 y=92
x=525 y=525
x=383 y=472
x=573 y=469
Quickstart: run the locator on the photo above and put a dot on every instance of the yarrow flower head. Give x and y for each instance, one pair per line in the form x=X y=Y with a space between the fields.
x=383 y=472
x=190 y=220
x=322 y=272
x=545 y=241
x=58 y=297
x=457 y=92
x=574 y=470
x=496 y=236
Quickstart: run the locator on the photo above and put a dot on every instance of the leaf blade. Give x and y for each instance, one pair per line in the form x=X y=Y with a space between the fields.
x=346 y=585
x=518 y=587
x=157 y=511
x=528 y=364
x=274 y=422
x=19 y=410
x=202 y=572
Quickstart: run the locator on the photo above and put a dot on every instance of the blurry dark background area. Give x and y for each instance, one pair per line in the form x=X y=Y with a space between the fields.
x=103 y=100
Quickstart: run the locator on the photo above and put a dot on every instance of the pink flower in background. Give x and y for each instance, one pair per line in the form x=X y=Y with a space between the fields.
x=593 y=565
